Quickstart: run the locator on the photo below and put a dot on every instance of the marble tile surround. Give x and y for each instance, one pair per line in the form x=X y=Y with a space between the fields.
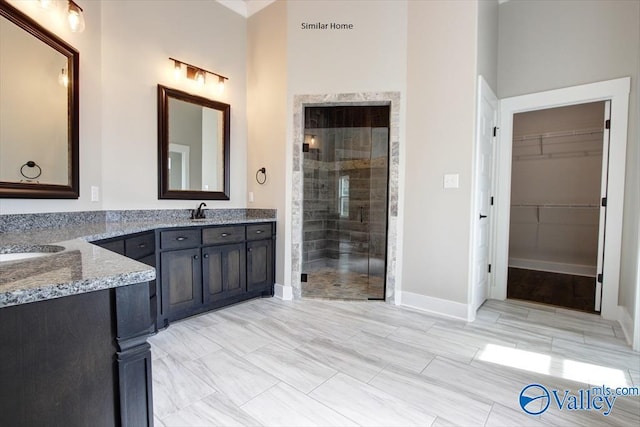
x=370 y=98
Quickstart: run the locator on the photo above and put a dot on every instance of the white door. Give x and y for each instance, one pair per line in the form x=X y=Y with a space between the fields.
x=603 y=209
x=482 y=218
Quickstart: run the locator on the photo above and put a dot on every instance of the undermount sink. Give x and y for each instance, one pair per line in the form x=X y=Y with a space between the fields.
x=14 y=253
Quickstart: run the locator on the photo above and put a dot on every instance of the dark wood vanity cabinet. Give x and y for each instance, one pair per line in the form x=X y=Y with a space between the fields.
x=213 y=266
x=141 y=247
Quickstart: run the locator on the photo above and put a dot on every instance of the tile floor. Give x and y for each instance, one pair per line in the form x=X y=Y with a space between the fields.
x=316 y=362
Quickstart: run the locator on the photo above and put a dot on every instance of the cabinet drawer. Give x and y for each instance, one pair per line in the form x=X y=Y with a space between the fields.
x=218 y=235
x=140 y=246
x=176 y=239
x=259 y=231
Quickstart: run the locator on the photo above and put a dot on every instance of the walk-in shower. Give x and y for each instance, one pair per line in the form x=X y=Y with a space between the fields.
x=346 y=169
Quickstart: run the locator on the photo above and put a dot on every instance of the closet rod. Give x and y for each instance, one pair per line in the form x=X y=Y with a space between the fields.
x=538 y=136
x=554 y=205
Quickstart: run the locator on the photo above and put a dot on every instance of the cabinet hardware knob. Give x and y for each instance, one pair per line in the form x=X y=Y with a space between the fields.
x=181 y=238
x=482 y=216
x=195 y=257
x=141 y=245
x=258 y=231
x=249 y=250
x=205 y=256
x=224 y=234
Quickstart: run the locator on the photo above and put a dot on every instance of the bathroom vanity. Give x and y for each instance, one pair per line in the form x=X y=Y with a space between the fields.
x=74 y=320
x=73 y=329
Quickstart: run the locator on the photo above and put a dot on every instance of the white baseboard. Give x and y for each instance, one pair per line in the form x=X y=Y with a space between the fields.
x=437 y=306
x=283 y=292
x=626 y=322
x=553 y=267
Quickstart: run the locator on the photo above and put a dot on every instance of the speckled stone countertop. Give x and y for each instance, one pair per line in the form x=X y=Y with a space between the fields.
x=83 y=267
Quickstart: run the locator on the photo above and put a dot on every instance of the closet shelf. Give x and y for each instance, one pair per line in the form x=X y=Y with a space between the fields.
x=552 y=145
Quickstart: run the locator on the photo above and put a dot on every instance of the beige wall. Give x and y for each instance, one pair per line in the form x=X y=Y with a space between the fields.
x=441 y=82
x=371 y=57
x=137 y=41
x=124 y=54
x=547 y=45
x=267 y=115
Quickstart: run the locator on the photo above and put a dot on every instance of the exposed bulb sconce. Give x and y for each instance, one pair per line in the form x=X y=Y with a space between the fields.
x=177 y=70
x=75 y=17
x=73 y=12
x=312 y=139
x=63 y=78
x=196 y=73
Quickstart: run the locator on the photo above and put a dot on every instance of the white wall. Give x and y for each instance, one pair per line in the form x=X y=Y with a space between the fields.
x=267 y=115
x=441 y=87
x=89 y=45
x=488 y=42
x=547 y=45
x=137 y=42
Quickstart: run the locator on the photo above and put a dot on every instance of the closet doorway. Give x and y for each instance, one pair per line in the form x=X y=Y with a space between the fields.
x=558 y=180
x=345 y=201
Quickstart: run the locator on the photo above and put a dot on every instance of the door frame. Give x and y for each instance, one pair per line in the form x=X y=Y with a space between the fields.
x=293 y=242
x=617 y=91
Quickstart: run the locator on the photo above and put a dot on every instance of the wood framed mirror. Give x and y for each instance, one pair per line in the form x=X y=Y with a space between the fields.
x=193 y=146
x=39 y=110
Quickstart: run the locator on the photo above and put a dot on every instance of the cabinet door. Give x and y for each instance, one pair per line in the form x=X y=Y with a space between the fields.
x=223 y=271
x=181 y=282
x=259 y=265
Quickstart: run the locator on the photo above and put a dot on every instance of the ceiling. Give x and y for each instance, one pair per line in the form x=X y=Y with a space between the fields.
x=245 y=8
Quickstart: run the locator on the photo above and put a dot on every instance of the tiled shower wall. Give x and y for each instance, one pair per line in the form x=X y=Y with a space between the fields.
x=362 y=155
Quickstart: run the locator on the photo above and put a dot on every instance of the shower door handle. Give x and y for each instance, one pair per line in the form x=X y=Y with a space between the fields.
x=361 y=213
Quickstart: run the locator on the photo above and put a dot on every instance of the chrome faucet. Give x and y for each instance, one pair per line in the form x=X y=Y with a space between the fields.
x=199 y=212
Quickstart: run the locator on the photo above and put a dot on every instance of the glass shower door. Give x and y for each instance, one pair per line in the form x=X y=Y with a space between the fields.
x=345 y=211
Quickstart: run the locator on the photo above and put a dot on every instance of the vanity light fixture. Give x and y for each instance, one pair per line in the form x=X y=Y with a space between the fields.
x=196 y=73
x=75 y=16
x=73 y=12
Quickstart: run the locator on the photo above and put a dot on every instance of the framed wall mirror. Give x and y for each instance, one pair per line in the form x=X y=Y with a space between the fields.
x=39 y=110
x=193 y=146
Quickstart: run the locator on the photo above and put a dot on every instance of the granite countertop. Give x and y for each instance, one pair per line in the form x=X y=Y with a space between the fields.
x=81 y=267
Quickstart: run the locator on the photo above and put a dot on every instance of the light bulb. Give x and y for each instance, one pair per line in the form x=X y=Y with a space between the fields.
x=220 y=84
x=63 y=78
x=177 y=70
x=75 y=17
x=313 y=140
x=200 y=78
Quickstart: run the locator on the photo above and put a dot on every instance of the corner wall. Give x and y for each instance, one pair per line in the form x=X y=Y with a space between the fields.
x=267 y=116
